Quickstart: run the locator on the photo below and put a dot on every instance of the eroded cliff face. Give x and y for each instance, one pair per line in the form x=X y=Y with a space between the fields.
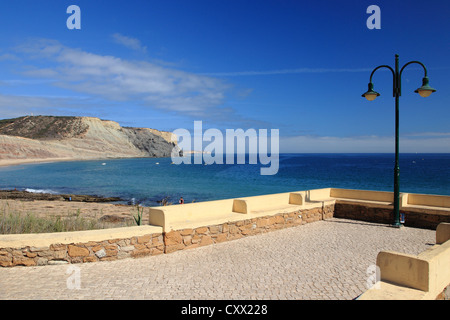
x=49 y=137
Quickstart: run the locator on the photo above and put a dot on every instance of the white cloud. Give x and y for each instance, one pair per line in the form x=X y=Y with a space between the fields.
x=117 y=79
x=363 y=144
x=131 y=43
x=287 y=71
x=12 y=106
x=19 y=105
x=8 y=57
x=428 y=134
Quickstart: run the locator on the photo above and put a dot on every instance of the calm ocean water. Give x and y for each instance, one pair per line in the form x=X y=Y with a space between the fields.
x=148 y=180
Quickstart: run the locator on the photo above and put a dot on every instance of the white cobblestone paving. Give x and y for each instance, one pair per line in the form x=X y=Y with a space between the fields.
x=324 y=260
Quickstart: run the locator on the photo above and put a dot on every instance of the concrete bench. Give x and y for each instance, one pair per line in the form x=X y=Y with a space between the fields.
x=425 y=201
x=333 y=194
x=409 y=277
x=407 y=200
x=268 y=204
x=192 y=215
x=381 y=197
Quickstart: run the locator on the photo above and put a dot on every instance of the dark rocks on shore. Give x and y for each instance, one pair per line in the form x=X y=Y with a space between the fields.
x=30 y=196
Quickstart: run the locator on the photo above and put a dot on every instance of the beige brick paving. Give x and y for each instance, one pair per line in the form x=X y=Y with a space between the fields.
x=321 y=260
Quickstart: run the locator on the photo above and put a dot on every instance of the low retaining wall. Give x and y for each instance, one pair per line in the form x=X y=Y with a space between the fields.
x=59 y=248
x=426 y=218
x=68 y=247
x=186 y=226
x=195 y=237
x=421 y=210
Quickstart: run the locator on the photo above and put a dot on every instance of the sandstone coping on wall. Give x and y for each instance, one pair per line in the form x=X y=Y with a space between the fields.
x=104 y=245
x=201 y=236
x=416 y=217
x=209 y=227
x=155 y=243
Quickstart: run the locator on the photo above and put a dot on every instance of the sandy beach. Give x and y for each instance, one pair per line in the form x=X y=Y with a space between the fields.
x=13 y=162
x=111 y=214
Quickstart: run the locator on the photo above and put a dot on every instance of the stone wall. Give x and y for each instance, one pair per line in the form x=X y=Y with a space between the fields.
x=192 y=238
x=427 y=218
x=154 y=244
x=151 y=244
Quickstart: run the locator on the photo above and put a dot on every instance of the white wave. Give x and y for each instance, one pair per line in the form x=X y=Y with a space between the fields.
x=41 y=191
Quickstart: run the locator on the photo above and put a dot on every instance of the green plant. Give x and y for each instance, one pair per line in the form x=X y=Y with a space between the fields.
x=138 y=217
x=15 y=220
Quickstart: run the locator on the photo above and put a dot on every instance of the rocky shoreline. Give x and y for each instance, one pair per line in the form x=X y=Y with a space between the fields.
x=31 y=196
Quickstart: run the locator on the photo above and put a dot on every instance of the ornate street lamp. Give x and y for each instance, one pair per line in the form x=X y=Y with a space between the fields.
x=425 y=90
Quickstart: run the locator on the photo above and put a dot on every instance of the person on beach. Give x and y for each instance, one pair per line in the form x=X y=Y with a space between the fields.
x=181 y=200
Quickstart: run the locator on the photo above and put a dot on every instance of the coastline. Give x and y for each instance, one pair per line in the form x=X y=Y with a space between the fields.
x=15 y=162
x=422 y=174
x=27 y=195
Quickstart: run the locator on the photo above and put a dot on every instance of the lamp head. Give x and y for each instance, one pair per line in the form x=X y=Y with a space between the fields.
x=425 y=90
x=370 y=94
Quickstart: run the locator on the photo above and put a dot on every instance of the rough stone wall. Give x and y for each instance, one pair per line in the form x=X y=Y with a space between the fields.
x=154 y=244
x=378 y=213
x=193 y=238
x=107 y=250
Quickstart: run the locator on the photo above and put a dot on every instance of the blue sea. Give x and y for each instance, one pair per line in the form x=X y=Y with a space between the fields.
x=146 y=181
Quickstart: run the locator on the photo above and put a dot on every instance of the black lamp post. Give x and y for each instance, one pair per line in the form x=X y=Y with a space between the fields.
x=425 y=90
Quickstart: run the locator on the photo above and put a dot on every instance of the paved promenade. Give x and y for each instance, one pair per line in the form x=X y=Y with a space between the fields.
x=323 y=260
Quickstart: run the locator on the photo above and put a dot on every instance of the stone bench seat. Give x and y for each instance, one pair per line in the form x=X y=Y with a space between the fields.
x=407 y=200
x=192 y=215
x=422 y=277
x=376 y=197
x=329 y=195
x=427 y=202
x=269 y=204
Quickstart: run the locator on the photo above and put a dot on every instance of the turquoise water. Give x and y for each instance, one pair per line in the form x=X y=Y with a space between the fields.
x=148 y=180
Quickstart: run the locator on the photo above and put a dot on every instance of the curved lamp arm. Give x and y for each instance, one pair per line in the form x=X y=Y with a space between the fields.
x=425 y=77
x=418 y=62
x=393 y=75
x=383 y=66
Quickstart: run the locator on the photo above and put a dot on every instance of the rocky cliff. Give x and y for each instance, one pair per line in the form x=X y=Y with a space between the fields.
x=50 y=137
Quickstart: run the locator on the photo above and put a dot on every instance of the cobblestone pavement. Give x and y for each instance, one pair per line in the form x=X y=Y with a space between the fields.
x=325 y=260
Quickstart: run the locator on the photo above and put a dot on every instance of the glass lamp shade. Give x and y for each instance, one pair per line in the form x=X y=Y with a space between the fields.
x=424 y=93
x=425 y=90
x=370 y=94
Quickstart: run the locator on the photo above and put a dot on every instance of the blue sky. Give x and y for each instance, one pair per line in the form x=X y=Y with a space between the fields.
x=297 y=66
